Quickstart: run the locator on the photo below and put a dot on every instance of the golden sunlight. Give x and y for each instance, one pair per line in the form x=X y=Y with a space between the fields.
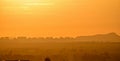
x=58 y=17
x=27 y=3
x=25 y=6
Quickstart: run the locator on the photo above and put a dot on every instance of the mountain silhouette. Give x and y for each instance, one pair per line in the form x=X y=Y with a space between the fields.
x=36 y=42
x=110 y=37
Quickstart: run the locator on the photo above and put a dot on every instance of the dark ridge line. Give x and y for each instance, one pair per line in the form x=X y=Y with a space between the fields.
x=27 y=38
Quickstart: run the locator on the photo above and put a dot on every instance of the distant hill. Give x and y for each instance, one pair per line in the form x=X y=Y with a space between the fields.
x=110 y=37
x=47 y=42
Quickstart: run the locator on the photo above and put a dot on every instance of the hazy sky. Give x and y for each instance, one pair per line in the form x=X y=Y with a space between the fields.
x=58 y=17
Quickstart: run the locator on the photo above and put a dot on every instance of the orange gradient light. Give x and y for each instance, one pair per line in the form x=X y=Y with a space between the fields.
x=58 y=17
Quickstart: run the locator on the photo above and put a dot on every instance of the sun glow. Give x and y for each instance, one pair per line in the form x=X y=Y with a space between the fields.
x=34 y=2
x=30 y=2
x=25 y=6
x=27 y=3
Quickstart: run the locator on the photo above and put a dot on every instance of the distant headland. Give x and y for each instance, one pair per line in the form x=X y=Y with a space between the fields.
x=109 y=37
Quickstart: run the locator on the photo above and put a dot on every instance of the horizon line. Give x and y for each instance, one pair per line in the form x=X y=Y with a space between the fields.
x=58 y=36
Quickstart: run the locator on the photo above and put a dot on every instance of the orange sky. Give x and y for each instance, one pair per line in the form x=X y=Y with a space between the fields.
x=43 y=18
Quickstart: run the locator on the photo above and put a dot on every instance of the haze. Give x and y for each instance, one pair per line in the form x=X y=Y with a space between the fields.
x=36 y=18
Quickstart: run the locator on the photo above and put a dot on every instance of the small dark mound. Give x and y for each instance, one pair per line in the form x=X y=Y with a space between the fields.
x=47 y=59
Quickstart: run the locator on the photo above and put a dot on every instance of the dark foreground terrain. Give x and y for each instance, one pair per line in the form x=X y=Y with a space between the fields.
x=65 y=52
x=86 y=48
